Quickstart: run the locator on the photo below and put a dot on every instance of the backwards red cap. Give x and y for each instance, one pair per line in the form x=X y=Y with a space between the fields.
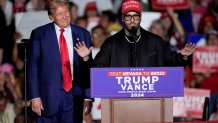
x=131 y=5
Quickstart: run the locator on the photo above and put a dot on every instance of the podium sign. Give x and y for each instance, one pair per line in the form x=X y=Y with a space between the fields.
x=137 y=82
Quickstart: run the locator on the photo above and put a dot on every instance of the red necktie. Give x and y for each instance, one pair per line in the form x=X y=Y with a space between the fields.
x=65 y=63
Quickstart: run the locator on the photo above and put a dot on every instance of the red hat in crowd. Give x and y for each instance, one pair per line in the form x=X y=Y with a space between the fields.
x=164 y=15
x=91 y=6
x=131 y=5
x=209 y=19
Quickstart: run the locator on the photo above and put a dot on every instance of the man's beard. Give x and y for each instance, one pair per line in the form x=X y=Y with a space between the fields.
x=132 y=30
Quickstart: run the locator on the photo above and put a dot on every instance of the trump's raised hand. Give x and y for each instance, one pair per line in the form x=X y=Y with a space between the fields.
x=82 y=50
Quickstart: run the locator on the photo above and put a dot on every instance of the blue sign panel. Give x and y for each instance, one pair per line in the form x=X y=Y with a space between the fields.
x=137 y=82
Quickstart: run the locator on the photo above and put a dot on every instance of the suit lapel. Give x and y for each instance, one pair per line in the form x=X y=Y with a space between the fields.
x=54 y=45
x=75 y=40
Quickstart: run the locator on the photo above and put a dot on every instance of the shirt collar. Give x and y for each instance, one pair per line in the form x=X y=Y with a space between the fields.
x=57 y=28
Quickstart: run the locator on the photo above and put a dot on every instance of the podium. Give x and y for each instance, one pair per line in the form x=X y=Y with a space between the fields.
x=137 y=110
x=144 y=95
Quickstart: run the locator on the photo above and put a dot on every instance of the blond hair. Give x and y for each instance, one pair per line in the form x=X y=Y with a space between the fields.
x=56 y=3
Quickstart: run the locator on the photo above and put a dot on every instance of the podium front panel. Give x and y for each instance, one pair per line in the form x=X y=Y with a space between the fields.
x=137 y=110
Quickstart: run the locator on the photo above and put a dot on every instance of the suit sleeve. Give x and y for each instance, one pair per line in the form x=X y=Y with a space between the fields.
x=33 y=54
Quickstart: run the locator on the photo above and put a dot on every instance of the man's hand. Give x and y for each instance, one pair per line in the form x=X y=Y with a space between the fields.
x=82 y=50
x=87 y=107
x=188 y=49
x=36 y=105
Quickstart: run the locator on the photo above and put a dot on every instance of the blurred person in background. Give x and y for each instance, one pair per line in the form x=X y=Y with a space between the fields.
x=98 y=36
x=109 y=23
x=7 y=82
x=212 y=10
x=207 y=24
x=20 y=103
x=7 y=31
x=2 y=28
x=81 y=22
x=7 y=8
x=7 y=113
x=210 y=81
x=157 y=27
x=207 y=80
x=197 y=10
x=214 y=115
x=73 y=11
x=9 y=35
x=198 y=79
x=91 y=14
x=204 y=80
x=174 y=34
x=212 y=38
x=19 y=6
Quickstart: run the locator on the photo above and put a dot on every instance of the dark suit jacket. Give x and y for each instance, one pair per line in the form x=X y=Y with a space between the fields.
x=44 y=74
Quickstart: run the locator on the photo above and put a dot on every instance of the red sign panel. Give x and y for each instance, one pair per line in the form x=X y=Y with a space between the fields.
x=175 y=4
x=191 y=104
x=205 y=59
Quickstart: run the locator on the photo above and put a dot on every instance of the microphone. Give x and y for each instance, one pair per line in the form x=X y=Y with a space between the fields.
x=133 y=31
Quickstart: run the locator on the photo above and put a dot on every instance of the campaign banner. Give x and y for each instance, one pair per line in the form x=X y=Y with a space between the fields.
x=205 y=59
x=191 y=104
x=137 y=82
x=175 y=4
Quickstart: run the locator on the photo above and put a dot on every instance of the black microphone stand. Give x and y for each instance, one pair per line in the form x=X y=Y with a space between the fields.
x=135 y=52
x=133 y=32
x=205 y=116
x=25 y=44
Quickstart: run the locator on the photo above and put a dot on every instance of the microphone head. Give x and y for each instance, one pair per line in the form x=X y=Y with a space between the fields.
x=133 y=30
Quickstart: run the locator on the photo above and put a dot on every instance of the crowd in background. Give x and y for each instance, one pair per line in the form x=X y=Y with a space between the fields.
x=174 y=26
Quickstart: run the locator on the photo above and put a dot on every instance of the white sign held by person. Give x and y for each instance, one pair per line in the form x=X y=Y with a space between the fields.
x=191 y=104
x=25 y=22
x=205 y=59
x=148 y=18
